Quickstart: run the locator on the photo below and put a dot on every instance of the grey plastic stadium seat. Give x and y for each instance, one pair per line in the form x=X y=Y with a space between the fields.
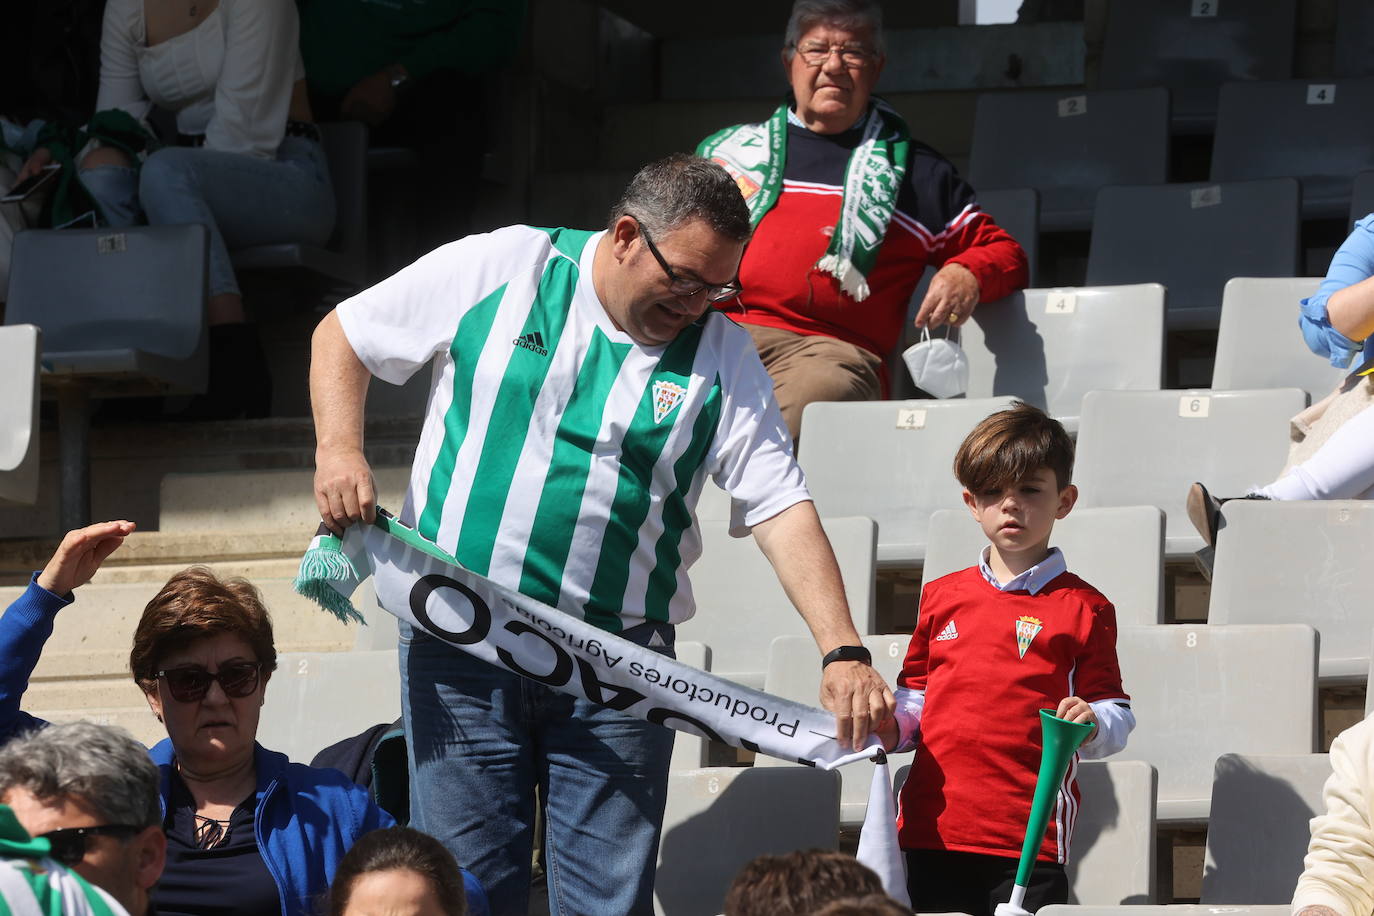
x=381 y=630
x=1049 y=347
x=1185 y=685
x=1259 y=344
x=690 y=751
x=1315 y=130
x=1173 y=909
x=1067 y=143
x=1258 y=834
x=20 y=346
x=740 y=606
x=1145 y=448
x=1193 y=238
x=1112 y=859
x=122 y=313
x=316 y=699
x=890 y=461
x=1362 y=196
x=720 y=818
x=1194 y=47
x=343 y=259
x=713 y=505
x=1354 y=38
x=1118 y=550
x=794 y=673
x=1299 y=562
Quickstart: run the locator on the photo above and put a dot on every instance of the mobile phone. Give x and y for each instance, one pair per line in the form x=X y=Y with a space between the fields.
x=26 y=187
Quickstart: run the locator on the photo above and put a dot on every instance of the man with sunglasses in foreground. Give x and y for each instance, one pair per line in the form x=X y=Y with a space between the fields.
x=92 y=792
x=582 y=391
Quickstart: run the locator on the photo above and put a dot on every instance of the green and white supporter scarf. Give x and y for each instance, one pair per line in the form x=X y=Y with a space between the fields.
x=33 y=885
x=755 y=154
x=419 y=583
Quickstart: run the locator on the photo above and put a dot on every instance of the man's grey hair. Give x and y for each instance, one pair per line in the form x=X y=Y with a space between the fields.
x=852 y=15
x=103 y=765
x=672 y=191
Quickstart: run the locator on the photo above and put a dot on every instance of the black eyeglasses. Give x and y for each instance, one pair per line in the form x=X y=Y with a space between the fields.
x=68 y=845
x=191 y=682
x=681 y=286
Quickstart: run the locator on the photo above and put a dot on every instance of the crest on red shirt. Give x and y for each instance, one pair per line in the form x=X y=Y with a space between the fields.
x=1026 y=629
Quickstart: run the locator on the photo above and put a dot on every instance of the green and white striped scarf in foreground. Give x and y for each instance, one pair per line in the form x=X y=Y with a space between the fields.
x=755 y=154
x=33 y=885
x=419 y=583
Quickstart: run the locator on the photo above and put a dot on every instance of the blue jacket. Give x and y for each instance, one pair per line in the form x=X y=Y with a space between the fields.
x=306 y=817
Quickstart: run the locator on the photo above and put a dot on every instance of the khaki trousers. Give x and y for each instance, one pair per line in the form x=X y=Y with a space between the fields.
x=811 y=367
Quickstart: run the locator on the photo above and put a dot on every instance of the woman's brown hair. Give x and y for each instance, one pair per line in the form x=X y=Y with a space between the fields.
x=193 y=605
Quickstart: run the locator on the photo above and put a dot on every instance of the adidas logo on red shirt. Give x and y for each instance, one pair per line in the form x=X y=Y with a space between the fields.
x=949 y=632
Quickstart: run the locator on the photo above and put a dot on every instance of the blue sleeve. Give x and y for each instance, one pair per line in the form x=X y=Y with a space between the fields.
x=477 y=896
x=1354 y=261
x=24 y=628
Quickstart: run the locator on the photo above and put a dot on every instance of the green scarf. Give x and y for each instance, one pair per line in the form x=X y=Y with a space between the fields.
x=755 y=154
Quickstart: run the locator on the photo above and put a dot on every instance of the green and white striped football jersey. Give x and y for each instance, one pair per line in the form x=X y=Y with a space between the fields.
x=559 y=457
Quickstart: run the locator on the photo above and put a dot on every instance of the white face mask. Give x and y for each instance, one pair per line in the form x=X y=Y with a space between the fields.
x=938 y=365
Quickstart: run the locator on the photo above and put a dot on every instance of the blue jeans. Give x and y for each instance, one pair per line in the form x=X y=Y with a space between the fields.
x=483 y=740
x=242 y=200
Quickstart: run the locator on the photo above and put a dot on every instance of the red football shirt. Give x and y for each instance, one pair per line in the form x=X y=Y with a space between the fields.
x=988 y=661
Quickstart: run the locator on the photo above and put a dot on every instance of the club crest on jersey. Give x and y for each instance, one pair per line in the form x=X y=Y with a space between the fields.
x=667 y=395
x=1026 y=629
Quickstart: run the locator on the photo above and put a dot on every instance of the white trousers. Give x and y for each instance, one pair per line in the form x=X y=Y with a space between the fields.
x=1343 y=468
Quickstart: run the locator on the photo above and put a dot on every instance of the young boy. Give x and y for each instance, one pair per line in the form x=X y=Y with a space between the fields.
x=994 y=644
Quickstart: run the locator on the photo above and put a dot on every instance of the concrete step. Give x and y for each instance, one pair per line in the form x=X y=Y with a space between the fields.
x=91 y=638
x=246 y=503
x=138 y=719
x=129 y=460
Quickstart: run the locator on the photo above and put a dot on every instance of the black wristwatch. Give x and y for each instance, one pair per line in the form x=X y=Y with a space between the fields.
x=848 y=654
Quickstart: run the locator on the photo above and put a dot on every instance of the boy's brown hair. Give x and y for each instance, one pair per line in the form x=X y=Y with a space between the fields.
x=1010 y=444
x=797 y=883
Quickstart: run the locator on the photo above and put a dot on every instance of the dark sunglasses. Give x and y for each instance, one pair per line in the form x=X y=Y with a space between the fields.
x=68 y=845
x=191 y=682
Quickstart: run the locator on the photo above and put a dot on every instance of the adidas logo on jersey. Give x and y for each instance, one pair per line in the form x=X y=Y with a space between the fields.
x=949 y=632
x=533 y=342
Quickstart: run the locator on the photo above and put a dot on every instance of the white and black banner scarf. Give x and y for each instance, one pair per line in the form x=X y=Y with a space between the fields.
x=422 y=585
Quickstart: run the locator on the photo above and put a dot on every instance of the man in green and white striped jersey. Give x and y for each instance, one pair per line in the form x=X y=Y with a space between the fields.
x=582 y=391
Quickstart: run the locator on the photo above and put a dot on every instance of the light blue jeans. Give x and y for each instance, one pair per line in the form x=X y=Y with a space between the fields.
x=482 y=740
x=242 y=200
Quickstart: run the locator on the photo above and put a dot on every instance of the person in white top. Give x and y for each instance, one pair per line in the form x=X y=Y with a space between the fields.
x=1338 y=873
x=582 y=391
x=246 y=162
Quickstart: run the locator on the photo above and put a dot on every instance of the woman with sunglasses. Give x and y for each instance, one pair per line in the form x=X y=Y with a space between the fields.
x=248 y=832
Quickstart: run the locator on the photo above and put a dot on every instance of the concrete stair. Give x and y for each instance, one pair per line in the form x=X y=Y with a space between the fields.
x=130 y=460
x=251 y=523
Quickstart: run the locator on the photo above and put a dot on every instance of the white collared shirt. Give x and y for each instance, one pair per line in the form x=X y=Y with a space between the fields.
x=1033 y=579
